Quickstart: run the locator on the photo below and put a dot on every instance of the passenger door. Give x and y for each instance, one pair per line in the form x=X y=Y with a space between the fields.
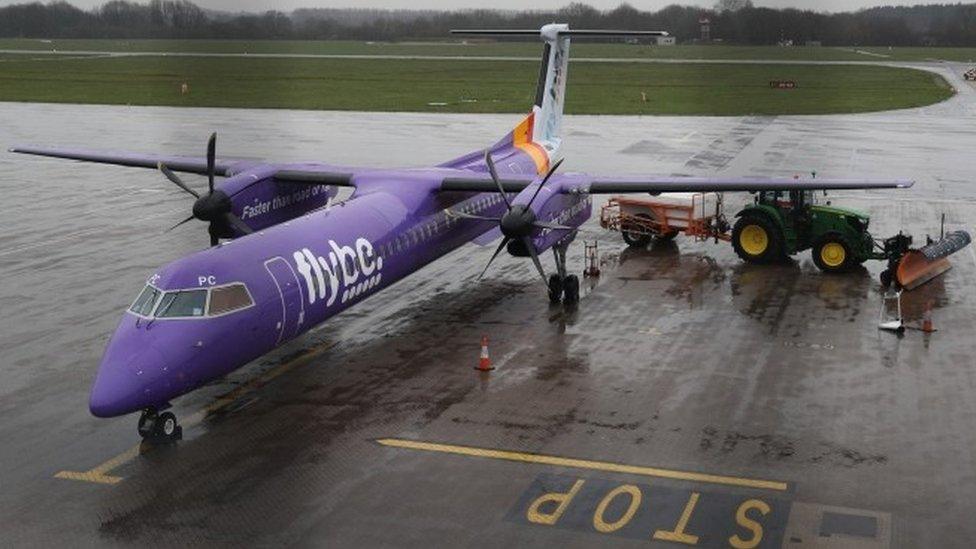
x=292 y=303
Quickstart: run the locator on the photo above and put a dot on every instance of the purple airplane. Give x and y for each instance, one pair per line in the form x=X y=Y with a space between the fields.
x=290 y=261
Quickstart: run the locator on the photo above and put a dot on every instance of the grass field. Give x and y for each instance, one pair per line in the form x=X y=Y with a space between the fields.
x=491 y=49
x=464 y=86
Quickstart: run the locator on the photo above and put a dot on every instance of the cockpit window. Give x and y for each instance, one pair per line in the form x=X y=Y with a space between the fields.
x=181 y=304
x=146 y=301
x=229 y=298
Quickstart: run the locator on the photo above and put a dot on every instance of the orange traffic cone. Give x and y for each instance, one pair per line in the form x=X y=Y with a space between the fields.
x=484 y=365
x=927 y=326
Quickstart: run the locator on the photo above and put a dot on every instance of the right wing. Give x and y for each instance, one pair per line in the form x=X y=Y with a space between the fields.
x=584 y=184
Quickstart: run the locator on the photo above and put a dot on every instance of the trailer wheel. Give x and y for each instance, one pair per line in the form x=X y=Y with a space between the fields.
x=757 y=240
x=635 y=236
x=666 y=237
x=832 y=254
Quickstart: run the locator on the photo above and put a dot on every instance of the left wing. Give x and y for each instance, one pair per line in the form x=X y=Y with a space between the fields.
x=187 y=164
x=307 y=174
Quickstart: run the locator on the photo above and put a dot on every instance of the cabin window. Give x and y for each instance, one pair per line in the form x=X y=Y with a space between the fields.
x=146 y=301
x=181 y=304
x=228 y=299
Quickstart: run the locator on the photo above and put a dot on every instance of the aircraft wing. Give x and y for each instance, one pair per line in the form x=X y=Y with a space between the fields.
x=583 y=184
x=188 y=164
x=483 y=183
x=304 y=174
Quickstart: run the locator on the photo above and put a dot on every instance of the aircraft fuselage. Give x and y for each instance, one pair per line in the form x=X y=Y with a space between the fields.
x=298 y=274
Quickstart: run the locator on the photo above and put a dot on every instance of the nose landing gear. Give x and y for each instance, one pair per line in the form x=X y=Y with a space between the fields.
x=159 y=427
x=563 y=287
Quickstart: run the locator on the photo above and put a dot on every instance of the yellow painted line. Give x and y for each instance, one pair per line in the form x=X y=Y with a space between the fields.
x=99 y=474
x=585 y=464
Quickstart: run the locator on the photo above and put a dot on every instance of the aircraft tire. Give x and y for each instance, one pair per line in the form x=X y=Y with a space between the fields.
x=147 y=426
x=555 y=288
x=571 y=289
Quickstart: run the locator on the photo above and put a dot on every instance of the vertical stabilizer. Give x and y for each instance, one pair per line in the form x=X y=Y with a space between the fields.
x=534 y=144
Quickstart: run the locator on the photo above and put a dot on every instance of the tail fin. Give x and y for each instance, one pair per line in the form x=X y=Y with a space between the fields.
x=539 y=135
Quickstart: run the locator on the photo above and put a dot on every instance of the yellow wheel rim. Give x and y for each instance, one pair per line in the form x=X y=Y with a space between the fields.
x=833 y=254
x=754 y=240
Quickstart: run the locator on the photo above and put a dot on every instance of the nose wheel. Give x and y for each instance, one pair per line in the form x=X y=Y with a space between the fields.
x=563 y=287
x=159 y=427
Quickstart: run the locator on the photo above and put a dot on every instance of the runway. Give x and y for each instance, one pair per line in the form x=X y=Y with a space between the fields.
x=697 y=381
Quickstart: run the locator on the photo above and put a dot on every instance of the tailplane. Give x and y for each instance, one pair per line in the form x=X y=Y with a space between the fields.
x=539 y=136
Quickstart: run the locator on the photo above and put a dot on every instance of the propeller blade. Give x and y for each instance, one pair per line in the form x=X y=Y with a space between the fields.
x=175 y=179
x=535 y=259
x=494 y=176
x=452 y=213
x=211 y=159
x=187 y=220
x=553 y=226
x=497 y=251
x=237 y=224
x=545 y=180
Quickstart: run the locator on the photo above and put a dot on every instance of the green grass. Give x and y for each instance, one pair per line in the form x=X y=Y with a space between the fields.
x=446 y=48
x=466 y=86
x=492 y=49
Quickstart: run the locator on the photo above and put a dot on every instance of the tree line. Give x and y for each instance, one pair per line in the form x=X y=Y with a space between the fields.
x=731 y=21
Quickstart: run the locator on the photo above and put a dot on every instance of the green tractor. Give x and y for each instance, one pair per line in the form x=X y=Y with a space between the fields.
x=784 y=223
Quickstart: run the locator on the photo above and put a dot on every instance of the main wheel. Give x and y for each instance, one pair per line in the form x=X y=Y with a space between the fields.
x=832 y=254
x=147 y=424
x=635 y=235
x=757 y=240
x=555 y=288
x=571 y=289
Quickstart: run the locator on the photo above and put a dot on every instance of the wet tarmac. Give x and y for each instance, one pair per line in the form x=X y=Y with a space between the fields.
x=736 y=402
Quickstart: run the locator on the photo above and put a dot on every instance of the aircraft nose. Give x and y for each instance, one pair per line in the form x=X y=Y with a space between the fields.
x=114 y=393
x=124 y=381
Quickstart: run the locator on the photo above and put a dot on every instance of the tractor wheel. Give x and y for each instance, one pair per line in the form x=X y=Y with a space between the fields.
x=757 y=240
x=635 y=236
x=832 y=254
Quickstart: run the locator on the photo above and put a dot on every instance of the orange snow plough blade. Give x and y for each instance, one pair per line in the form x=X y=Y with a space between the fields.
x=920 y=266
x=915 y=270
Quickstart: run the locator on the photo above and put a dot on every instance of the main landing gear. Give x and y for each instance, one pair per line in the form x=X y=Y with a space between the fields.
x=159 y=427
x=563 y=287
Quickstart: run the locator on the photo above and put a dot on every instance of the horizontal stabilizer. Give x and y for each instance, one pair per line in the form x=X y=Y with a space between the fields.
x=566 y=32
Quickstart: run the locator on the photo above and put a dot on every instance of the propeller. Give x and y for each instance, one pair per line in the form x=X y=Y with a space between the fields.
x=215 y=207
x=519 y=221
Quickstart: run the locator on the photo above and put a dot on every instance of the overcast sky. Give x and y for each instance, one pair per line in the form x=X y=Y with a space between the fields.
x=288 y=5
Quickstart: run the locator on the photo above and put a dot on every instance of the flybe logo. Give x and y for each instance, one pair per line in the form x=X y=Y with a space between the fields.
x=346 y=273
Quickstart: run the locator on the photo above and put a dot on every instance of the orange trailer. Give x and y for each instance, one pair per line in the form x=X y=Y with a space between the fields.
x=639 y=220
